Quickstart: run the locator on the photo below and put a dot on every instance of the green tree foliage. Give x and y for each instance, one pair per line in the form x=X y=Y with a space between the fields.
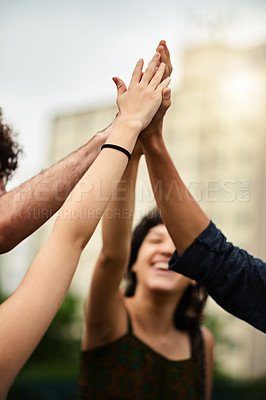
x=62 y=339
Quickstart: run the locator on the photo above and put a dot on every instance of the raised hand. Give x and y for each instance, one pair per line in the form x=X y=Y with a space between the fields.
x=165 y=58
x=155 y=126
x=144 y=95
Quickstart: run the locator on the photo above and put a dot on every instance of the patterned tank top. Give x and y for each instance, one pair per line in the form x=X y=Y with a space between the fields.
x=128 y=369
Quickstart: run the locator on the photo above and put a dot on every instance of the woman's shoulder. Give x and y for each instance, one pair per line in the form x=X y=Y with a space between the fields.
x=207 y=336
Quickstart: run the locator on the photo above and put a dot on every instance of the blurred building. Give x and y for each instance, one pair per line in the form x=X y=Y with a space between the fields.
x=216 y=134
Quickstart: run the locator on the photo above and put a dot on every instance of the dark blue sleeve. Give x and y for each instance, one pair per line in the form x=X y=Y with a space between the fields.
x=235 y=279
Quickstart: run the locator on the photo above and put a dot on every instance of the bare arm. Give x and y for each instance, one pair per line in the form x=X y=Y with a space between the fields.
x=25 y=316
x=105 y=316
x=26 y=208
x=181 y=214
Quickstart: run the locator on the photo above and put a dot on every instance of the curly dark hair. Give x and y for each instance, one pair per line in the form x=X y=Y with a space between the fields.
x=189 y=312
x=9 y=149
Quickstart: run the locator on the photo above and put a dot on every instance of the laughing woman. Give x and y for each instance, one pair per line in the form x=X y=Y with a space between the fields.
x=145 y=342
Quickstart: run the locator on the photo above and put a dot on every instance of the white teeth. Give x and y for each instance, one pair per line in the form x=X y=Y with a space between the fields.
x=160 y=265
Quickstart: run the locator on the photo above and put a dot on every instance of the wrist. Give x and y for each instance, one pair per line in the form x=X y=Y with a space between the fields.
x=151 y=133
x=135 y=157
x=102 y=136
x=153 y=143
x=124 y=134
x=129 y=125
x=152 y=130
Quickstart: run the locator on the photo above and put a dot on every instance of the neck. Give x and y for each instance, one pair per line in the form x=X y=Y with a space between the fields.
x=155 y=311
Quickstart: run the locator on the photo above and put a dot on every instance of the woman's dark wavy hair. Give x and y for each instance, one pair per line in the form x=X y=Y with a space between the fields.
x=9 y=149
x=189 y=312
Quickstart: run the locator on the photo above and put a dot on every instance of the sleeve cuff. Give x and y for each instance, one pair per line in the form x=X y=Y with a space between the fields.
x=210 y=240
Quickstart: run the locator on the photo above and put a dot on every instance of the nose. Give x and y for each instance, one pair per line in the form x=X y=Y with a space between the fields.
x=168 y=248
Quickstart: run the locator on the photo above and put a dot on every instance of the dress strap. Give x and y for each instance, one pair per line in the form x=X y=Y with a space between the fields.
x=198 y=354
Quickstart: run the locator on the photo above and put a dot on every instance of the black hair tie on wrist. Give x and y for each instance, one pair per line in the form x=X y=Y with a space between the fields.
x=119 y=148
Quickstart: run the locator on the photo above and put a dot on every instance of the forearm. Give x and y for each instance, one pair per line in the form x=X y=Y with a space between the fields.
x=103 y=303
x=235 y=279
x=26 y=208
x=74 y=226
x=41 y=292
x=26 y=315
x=118 y=217
x=90 y=197
x=181 y=214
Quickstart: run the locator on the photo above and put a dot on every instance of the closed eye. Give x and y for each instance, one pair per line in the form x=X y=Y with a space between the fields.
x=155 y=241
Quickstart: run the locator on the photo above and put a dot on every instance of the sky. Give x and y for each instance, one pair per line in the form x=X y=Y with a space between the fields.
x=59 y=55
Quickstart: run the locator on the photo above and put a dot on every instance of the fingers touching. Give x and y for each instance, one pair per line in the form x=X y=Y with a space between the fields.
x=151 y=68
x=142 y=99
x=157 y=78
x=162 y=55
x=165 y=58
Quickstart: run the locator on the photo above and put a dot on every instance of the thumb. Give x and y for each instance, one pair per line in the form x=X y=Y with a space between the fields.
x=120 y=85
x=167 y=93
x=166 y=100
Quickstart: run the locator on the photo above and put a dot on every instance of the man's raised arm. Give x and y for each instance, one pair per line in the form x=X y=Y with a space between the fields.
x=26 y=208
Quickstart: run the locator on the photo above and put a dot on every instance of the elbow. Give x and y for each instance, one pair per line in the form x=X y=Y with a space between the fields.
x=116 y=255
x=11 y=234
x=71 y=234
x=6 y=243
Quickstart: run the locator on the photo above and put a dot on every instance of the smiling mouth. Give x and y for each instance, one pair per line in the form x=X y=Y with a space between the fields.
x=161 y=266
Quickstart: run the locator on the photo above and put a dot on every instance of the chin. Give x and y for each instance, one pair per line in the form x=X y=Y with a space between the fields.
x=180 y=284
x=163 y=289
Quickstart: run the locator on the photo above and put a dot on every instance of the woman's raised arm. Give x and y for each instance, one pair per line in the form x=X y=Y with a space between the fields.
x=104 y=314
x=26 y=315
